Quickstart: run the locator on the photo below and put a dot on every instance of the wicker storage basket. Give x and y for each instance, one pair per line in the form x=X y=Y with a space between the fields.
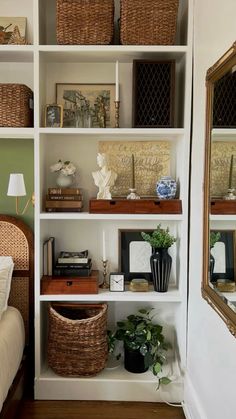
x=85 y=22
x=77 y=340
x=15 y=107
x=149 y=22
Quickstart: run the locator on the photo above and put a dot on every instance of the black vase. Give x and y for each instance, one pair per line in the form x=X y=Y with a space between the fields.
x=134 y=361
x=161 y=263
x=212 y=265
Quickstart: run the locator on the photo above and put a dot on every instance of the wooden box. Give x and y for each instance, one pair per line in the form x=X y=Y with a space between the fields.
x=135 y=206
x=70 y=285
x=223 y=206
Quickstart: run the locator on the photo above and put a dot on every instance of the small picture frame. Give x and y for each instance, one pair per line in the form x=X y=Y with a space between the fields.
x=54 y=116
x=117 y=281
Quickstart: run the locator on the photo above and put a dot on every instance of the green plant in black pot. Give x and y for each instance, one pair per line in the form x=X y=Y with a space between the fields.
x=160 y=240
x=145 y=346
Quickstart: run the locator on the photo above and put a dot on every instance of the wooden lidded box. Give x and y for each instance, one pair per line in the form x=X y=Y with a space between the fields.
x=70 y=285
x=16 y=105
x=153 y=93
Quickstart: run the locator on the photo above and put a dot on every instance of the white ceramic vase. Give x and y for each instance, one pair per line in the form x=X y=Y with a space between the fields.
x=64 y=181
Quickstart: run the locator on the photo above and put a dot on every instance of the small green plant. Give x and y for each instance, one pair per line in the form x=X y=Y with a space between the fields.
x=214 y=237
x=139 y=332
x=159 y=238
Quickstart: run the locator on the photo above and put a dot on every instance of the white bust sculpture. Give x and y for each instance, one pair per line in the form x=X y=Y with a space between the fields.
x=104 y=179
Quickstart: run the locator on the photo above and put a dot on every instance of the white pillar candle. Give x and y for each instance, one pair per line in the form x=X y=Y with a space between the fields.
x=117 y=81
x=103 y=246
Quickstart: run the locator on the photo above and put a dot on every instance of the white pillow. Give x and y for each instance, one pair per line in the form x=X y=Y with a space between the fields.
x=6 y=269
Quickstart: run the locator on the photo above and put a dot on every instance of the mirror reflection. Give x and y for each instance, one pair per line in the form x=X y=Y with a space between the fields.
x=219 y=279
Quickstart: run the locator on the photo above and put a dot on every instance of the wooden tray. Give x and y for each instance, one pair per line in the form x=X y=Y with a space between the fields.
x=223 y=206
x=70 y=285
x=135 y=206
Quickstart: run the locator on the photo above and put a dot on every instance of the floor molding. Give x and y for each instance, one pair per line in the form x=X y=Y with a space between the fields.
x=192 y=406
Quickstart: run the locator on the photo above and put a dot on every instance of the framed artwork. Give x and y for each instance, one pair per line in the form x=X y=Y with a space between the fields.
x=87 y=105
x=7 y=26
x=134 y=255
x=117 y=281
x=152 y=160
x=221 y=152
x=53 y=116
x=224 y=256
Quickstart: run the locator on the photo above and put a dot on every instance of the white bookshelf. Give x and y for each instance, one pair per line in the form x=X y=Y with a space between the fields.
x=40 y=66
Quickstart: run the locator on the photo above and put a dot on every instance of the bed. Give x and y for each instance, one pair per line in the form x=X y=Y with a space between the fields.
x=16 y=322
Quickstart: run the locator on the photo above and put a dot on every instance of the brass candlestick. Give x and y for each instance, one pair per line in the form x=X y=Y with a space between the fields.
x=104 y=284
x=117 y=114
x=133 y=194
x=231 y=191
x=230 y=194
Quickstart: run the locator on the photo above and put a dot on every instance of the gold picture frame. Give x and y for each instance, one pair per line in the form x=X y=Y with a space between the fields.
x=53 y=116
x=87 y=105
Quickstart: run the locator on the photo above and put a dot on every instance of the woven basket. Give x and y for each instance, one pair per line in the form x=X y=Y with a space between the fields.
x=15 y=104
x=149 y=22
x=77 y=340
x=86 y=22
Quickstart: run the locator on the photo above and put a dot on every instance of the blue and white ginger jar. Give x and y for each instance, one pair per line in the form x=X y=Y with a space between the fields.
x=166 y=188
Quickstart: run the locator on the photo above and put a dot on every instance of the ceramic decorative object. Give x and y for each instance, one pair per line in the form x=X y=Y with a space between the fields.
x=105 y=178
x=166 y=188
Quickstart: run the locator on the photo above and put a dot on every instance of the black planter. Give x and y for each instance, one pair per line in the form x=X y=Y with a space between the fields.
x=161 y=263
x=134 y=361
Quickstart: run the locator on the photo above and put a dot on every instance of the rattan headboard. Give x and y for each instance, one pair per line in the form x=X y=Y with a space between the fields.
x=16 y=240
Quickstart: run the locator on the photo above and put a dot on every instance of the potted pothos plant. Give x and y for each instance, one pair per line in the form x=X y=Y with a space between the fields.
x=160 y=240
x=145 y=346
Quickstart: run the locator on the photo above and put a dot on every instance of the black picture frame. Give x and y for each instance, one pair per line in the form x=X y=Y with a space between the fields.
x=126 y=238
x=153 y=93
x=228 y=238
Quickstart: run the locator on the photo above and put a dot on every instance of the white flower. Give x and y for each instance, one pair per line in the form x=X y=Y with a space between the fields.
x=67 y=168
x=56 y=167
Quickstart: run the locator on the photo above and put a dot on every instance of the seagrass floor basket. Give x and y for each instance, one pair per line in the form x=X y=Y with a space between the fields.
x=16 y=105
x=77 y=339
x=85 y=22
x=149 y=22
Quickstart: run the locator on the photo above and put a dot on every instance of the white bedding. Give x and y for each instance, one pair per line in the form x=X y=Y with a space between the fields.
x=12 y=342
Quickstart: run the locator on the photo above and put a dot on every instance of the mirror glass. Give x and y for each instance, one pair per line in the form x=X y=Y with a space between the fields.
x=219 y=235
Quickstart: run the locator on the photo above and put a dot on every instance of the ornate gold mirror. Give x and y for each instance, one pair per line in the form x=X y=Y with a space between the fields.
x=219 y=229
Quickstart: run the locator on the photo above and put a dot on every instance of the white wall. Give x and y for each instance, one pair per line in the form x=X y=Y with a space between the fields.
x=211 y=373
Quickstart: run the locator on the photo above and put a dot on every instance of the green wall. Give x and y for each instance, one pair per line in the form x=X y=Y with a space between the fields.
x=17 y=156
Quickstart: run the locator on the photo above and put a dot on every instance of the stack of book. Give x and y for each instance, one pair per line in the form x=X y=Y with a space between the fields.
x=72 y=264
x=48 y=256
x=63 y=200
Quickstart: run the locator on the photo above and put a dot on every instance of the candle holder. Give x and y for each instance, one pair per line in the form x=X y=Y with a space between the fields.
x=230 y=194
x=104 y=284
x=117 y=114
x=133 y=194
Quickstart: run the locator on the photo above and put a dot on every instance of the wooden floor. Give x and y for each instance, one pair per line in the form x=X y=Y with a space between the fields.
x=97 y=410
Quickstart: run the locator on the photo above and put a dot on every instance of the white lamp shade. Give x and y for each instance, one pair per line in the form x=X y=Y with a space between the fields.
x=16 y=186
